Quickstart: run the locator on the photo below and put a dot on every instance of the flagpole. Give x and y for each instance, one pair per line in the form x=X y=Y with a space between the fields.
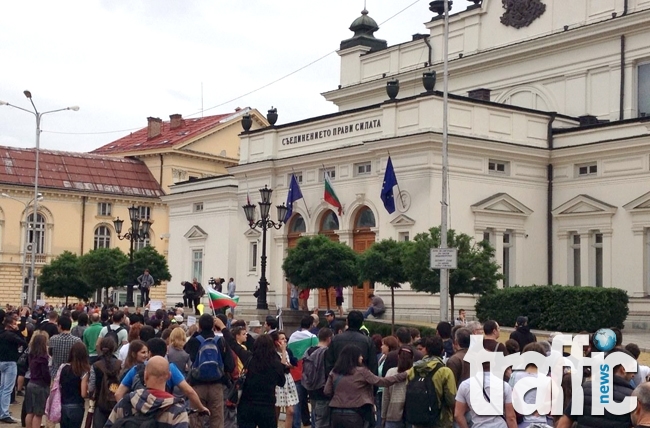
x=444 y=273
x=293 y=173
x=214 y=314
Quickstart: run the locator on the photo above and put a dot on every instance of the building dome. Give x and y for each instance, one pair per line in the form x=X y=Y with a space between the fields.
x=364 y=28
x=364 y=24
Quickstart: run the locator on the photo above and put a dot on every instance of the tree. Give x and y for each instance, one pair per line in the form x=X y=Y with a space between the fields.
x=102 y=268
x=319 y=263
x=477 y=272
x=148 y=258
x=62 y=278
x=383 y=262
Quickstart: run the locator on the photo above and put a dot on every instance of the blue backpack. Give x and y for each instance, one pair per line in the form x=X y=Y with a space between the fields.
x=208 y=365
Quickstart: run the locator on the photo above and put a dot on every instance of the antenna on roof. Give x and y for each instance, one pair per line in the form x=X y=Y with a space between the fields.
x=364 y=5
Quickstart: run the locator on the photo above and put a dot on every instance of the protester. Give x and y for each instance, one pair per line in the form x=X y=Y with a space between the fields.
x=104 y=378
x=61 y=344
x=176 y=354
x=530 y=397
x=118 y=333
x=188 y=294
x=444 y=331
x=82 y=325
x=339 y=300
x=145 y=282
x=353 y=336
x=641 y=414
x=38 y=387
x=403 y=336
x=457 y=364
x=11 y=341
x=134 y=334
x=643 y=371
x=490 y=341
x=74 y=386
x=138 y=353
x=314 y=379
x=461 y=320
x=376 y=308
x=330 y=319
x=394 y=397
x=50 y=326
x=293 y=298
x=522 y=333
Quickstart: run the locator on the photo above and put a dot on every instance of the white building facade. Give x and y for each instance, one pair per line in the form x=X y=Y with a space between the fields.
x=549 y=157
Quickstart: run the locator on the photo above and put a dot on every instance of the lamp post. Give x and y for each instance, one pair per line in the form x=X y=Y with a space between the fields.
x=138 y=232
x=26 y=299
x=264 y=223
x=38 y=115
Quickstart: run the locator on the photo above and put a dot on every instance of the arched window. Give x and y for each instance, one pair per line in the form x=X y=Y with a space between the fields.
x=330 y=222
x=365 y=219
x=102 y=237
x=36 y=232
x=297 y=224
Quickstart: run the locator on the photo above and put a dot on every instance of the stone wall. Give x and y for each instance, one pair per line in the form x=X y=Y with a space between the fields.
x=10 y=284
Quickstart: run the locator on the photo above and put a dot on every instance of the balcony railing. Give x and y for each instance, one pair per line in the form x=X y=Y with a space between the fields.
x=38 y=258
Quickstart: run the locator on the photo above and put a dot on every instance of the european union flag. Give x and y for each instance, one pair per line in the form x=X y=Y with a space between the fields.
x=390 y=181
x=293 y=195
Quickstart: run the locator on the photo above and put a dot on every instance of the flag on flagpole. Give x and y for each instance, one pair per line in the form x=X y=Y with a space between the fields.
x=220 y=300
x=390 y=181
x=330 y=197
x=293 y=195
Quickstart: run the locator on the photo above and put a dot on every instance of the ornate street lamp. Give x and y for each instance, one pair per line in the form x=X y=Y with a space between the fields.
x=138 y=232
x=264 y=223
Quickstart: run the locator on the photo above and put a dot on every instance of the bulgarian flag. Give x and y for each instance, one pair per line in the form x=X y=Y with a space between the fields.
x=298 y=343
x=220 y=300
x=330 y=197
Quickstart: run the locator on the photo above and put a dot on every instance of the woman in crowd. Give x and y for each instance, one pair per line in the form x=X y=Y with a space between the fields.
x=394 y=397
x=134 y=334
x=265 y=372
x=350 y=384
x=138 y=353
x=388 y=344
x=38 y=387
x=74 y=386
x=105 y=370
x=285 y=396
x=531 y=395
x=175 y=352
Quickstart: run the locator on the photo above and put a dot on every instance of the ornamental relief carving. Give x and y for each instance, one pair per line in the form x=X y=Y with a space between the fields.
x=521 y=13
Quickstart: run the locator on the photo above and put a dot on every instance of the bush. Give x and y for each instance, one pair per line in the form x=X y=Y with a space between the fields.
x=556 y=308
x=383 y=329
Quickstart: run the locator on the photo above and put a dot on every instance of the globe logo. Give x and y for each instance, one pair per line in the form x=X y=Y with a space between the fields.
x=605 y=339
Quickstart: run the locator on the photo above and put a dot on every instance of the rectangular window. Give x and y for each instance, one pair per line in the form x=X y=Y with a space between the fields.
x=330 y=171
x=364 y=168
x=138 y=245
x=575 y=253
x=587 y=169
x=598 y=246
x=104 y=209
x=403 y=236
x=507 y=248
x=144 y=213
x=498 y=167
x=252 y=262
x=644 y=90
x=298 y=178
x=197 y=264
x=198 y=207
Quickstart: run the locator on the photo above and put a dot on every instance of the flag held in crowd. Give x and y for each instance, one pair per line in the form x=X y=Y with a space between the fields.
x=390 y=181
x=219 y=300
x=330 y=197
x=293 y=195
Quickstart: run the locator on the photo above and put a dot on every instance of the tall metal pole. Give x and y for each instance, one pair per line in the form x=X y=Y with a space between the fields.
x=130 y=301
x=31 y=289
x=444 y=209
x=262 y=303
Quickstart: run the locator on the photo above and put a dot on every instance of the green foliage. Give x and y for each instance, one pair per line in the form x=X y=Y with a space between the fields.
x=477 y=273
x=148 y=258
x=62 y=278
x=384 y=329
x=318 y=262
x=101 y=268
x=556 y=308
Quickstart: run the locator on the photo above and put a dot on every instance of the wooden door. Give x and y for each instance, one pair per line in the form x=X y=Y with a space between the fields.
x=322 y=301
x=362 y=240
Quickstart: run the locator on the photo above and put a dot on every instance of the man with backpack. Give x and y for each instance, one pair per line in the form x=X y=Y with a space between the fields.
x=353 y=336
x=153 y=406
x=211 y=360
x=430 y=390
x=298 y=343
x=314 y=378
x=115 y=331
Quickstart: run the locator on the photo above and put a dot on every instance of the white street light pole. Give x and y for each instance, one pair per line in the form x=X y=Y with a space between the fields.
x=444 y=273
x=38 y=115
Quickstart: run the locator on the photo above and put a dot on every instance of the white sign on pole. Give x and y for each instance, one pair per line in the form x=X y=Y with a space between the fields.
x=191 y=320
x=154 y=305
x=443 y=258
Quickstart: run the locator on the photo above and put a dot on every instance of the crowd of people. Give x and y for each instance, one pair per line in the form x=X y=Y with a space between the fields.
x=116 y=368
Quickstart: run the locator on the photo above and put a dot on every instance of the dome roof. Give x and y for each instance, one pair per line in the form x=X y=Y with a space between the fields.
x=364 y=24
x=364 y=28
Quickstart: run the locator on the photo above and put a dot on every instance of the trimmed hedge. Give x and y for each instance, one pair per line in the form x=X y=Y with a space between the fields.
x=556 y=307
x=375 y=327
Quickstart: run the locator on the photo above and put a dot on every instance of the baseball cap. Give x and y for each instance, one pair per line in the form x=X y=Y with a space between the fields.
x=328 y=313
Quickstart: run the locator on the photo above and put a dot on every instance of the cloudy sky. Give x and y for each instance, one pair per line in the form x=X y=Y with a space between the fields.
x=124 y=60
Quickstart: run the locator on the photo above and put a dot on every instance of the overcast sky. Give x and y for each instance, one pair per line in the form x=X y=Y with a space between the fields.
x=124 y=60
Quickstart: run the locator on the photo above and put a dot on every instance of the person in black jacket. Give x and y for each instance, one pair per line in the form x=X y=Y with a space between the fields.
x=210 y=392
x=522 y=333
x=188 y=294
x=352 y=336
x=12 y=342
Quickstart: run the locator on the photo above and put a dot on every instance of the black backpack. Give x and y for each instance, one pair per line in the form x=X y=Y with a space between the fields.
x=422 y=406
x=313 y=369
x=114 y=334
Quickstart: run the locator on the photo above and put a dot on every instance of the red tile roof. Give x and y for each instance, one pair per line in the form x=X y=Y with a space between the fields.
x=78 y=171
x=138 y=141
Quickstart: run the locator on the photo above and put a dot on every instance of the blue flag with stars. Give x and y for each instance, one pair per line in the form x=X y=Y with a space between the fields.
x=293 y=196
x=390 y=181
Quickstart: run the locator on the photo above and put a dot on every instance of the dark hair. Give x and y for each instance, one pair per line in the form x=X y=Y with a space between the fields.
x=355 y=320
x=489 y=327
x=434 y=346
x=206 y=322
x=82 y=319
x=391 y=342
x=223 y=318
x=65 y=323
x=306 y=321
x=78 y=359
x=463 y=337
x=166 y=333
x=324 y=334
x=338 y=326
x=348 y=360
x=161 y=314
x=619 y=335
x=532 y=347
x=272 y=323
x=444 y=329
x=404 y=359
x=263 y=352
x=236 y=331
x=52 y=316
x=118 y=316
x=157 y=347
x=147 y=332
x=415 y=333
x=238 y=323
x=132 y=356
x=74 y=315
x=107 y=347
x=403 y=335
x=376 y=339
x=633 y=349
x=512 y=346
x=38 y=347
